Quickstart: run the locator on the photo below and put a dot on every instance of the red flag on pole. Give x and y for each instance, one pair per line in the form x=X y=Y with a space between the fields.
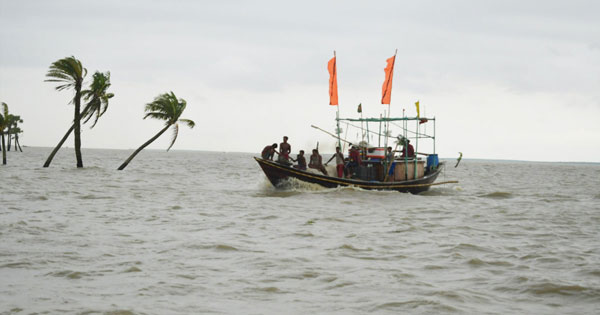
x=386 y=89
x=333 y=93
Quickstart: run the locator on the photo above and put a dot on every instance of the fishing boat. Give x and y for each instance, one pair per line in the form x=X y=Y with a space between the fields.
x=373 y=167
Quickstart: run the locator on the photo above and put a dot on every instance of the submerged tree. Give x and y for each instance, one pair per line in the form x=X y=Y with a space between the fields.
x=97 y=97
x=4 y=123
x=14 y=130
x=69 y=73
x=168 y=108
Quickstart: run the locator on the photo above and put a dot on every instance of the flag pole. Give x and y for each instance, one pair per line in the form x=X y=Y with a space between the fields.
x=362 y=132
x=387 y=126
x=337 y=114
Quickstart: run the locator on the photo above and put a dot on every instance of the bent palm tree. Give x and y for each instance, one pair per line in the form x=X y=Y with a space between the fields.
x=4 y=123
x=97 y=102
x=69 y=73
x=168 y=108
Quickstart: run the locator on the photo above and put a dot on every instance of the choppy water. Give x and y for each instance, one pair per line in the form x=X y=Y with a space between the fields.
x=199 y=232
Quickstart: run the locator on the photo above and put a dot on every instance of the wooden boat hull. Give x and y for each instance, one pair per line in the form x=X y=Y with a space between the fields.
x=278 y=174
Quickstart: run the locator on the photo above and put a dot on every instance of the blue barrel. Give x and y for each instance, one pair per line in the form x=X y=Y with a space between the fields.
x=432 y=161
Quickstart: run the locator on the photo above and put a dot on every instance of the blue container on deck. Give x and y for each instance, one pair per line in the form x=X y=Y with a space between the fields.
x=432 y=161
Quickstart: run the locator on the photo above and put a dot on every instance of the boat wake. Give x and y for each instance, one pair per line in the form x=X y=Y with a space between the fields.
x=293 y=186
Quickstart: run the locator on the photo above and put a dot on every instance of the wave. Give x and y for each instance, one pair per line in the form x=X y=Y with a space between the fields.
x=479 y=262
x=269 y=290
x=498 y=195
x=354 y=249
x=132 y=269
x=415 y=304
x=549 y=288
x=22 y=264
x=69 y=274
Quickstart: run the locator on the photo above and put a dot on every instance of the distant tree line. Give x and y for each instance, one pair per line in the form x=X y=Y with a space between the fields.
x=9 y=131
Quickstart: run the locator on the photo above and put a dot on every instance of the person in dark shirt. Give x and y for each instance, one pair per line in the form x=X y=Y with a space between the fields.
x=354 y=160
x=408 y=151
x=301 y=161
x=269 y=151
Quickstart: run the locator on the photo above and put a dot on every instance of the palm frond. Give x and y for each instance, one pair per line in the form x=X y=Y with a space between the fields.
x=4 y=118
x=175 y=133
x=68 y=72
x=5 y=109
x=190 y=123
x=168 y=107
x=96 y=97
x=157 y=115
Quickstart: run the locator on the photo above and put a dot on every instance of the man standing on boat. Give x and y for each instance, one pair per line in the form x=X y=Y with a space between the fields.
x=269 y=151
x=339 y=162
x=389 y=155
x=354 y=161
x=284 y=151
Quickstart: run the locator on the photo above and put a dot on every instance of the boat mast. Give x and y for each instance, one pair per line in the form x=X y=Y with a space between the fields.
x=433 y=134
x=379 y=135
x=332 y=86
x=387 y=124
x=337 y=120
x=362 y=132
x=418 y=121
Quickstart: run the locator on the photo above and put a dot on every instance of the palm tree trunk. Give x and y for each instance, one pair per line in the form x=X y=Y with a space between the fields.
x=51 y=156
x=3 y=149
x=8 y=136
x=17 y=143
x=142 y=147
x=77 y=123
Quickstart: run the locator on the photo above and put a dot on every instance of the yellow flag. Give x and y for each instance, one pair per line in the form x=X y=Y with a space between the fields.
x=418 y=113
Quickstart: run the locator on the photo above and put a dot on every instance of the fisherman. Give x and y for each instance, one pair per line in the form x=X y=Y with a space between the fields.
x=339 y=162
x=389 y=155
x=389 y=158
x=269 y=151
x=316 y=162
x=408 y=151
x=284 y=152
x=354 y=160
x=301 y=161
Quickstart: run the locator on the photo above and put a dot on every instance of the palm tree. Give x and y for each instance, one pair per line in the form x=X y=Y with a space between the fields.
x=14 y=130
x=69 y=73
x=168 y=108
x=4 y=121
x=97 y=102
x=97 y=97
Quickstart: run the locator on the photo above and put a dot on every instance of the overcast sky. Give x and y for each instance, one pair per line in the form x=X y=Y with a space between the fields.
x=504 y=79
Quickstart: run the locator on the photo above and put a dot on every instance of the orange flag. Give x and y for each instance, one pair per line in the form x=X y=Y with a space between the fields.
x=333 y=95
x=386 y=89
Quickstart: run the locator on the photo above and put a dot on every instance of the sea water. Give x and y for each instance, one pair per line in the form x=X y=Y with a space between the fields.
x=186 y=232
